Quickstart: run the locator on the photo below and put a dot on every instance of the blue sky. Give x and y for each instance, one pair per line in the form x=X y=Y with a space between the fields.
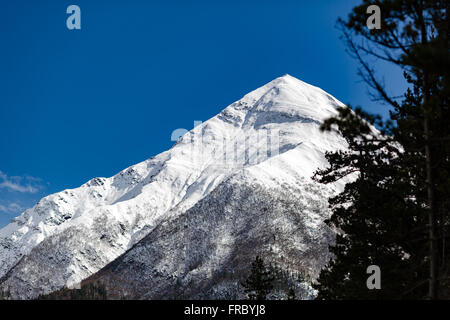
x=77 y=104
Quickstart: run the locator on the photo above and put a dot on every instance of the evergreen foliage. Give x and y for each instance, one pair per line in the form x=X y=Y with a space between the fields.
x=396 y=213
x=259 y=283
x=90 y=291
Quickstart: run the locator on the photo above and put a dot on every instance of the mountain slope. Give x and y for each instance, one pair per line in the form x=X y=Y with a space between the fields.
x=205 y=252
x=270 y=138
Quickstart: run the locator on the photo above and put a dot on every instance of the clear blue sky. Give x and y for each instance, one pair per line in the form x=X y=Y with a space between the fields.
x=77 y=104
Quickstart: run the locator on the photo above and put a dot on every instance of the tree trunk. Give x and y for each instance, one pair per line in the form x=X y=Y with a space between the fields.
x=432 y=230
x=432 y=223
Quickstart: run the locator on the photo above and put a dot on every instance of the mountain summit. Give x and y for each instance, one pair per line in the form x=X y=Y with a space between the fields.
x=188 y=222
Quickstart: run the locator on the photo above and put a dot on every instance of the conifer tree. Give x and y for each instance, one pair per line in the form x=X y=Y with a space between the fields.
x=374 y=218
x=291 y=294
x=396 y=213
x=259 y=283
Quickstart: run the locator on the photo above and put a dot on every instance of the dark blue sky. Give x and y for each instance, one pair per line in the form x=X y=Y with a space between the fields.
x=76 y=104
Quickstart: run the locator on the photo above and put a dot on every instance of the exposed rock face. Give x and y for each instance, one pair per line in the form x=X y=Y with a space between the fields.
x=192 y=218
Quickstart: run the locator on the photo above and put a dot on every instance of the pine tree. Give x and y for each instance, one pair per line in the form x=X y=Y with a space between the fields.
x=398 y=215
x=291 y=294
x=259 y=283
x=372 y=216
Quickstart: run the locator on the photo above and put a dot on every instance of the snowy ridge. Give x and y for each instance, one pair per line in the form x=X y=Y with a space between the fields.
x=70 y=235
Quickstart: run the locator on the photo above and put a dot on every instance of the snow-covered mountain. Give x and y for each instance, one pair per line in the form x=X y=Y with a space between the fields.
x=235 y=186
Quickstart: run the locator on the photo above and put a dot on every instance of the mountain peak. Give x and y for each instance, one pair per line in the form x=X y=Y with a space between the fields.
x=282 y=100
x=270 y=138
